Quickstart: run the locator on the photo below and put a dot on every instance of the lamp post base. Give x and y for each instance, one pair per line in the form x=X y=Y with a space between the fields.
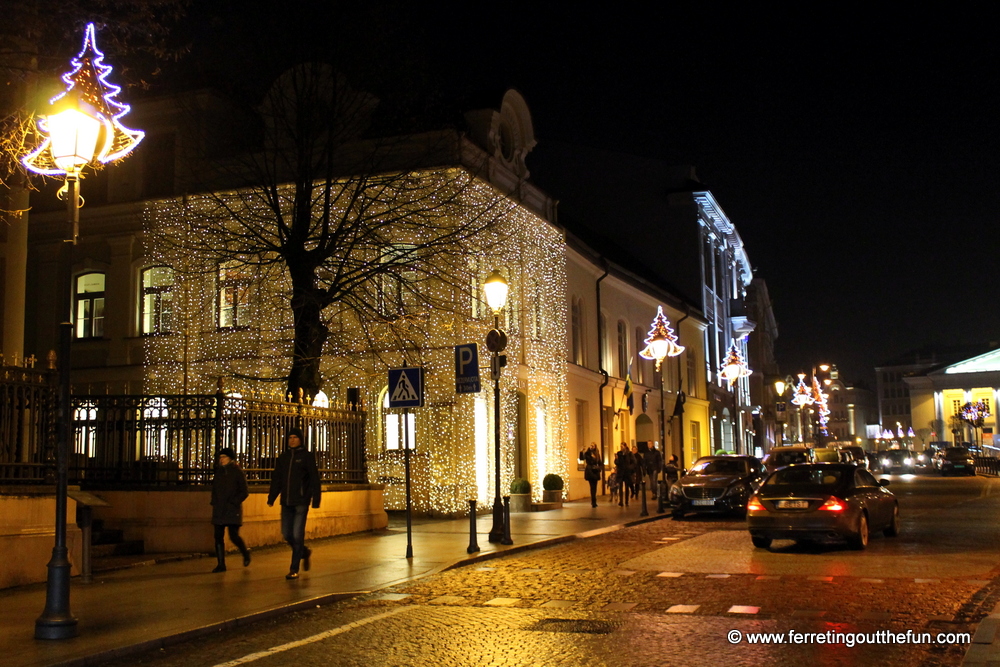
x=497 y=532
x=56 y=621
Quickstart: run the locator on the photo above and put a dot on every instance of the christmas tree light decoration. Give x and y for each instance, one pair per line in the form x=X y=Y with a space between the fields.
x=734 y=368
x=661 y=342
x=910 y=433
x=822 y=407
x=802 y=395
x=88 y=93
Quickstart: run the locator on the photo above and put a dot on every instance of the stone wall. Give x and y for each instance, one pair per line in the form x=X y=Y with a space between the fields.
x=27 y=535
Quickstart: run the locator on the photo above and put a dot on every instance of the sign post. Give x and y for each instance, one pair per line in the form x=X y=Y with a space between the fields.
x=406 y=390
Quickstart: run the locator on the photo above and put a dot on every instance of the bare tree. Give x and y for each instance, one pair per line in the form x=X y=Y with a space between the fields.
x=371 y=233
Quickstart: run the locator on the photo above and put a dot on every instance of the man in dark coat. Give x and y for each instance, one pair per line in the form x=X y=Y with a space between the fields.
x=296 y=480
x=653 y=462
x=229 y=490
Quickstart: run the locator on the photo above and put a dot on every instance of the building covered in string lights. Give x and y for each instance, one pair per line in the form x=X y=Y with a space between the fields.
x=152 y=319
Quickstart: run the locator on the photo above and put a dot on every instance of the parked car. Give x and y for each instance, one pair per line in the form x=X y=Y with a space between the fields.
x=717 y=484
x=826 y=455
x=957 y=461
x=821 y=501
x=854 y=454
x=787 y=455
x=901 y=460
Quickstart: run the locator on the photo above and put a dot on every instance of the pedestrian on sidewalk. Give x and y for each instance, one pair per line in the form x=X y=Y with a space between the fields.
x=637 y=471
x=653 y=462
x=229 y=490
x=625 y=470
x=296 y=480
x=593 y=466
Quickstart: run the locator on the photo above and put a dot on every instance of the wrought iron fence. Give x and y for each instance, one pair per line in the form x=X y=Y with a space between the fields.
x=27 y=424
x=140 y=441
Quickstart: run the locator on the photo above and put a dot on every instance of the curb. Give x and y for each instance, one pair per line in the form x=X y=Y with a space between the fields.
x=169 y=640
x=985 y=646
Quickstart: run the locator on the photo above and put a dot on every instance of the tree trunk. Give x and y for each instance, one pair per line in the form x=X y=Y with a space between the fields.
x=304 y=379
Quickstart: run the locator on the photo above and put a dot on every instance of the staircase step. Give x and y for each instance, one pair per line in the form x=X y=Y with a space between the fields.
x=123 y=548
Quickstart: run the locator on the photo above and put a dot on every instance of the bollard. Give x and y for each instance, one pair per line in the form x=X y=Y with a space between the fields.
x=661 y=506
x=506 y=521
x=642 y=489
x=473 y=544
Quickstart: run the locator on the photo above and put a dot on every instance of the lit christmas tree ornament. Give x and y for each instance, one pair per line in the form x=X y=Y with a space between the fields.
x=734 y=367
x=84 y=125
x=661 y=342
x=802 y=396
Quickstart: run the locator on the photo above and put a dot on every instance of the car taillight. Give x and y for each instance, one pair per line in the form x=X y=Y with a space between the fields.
x=833 y=504
x=753 y=505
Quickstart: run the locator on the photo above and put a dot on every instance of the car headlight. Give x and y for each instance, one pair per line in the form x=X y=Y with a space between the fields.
x=886 y=462
x=675 y=492
x=921 y=458
x=735 y=490
x=908 y=462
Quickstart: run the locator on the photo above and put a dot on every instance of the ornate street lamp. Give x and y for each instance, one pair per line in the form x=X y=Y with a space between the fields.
x=496 y=289
x=661 y=342
x=779 y=391
x=82 y=129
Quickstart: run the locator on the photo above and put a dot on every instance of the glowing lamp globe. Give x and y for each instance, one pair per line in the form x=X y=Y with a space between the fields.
x=496 y=292
x=73 y=138
x=779 y=387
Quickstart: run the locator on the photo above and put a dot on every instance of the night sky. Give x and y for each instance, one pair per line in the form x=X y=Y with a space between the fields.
x=856 y=153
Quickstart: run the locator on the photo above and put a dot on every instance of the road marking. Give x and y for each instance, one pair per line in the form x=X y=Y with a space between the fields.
x=670 y=574
x=312 y=640
x=716 y=576
x=683 y=609
x=502 y=602
x=742 y=609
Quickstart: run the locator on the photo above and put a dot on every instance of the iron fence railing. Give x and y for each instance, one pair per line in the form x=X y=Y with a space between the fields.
x=140 y=441
x=27 y=424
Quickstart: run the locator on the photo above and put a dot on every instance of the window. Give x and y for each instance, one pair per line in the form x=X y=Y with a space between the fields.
x=393 y=424
x=90 y=305
x=396 y=283
x=622 y=349
x=641 y=366
x=157 y=306
x=582 y=411
x=576 y=331
x=234 y=284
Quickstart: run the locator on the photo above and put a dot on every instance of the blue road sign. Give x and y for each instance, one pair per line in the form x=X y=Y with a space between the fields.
x=406 y=387
x=467 y=369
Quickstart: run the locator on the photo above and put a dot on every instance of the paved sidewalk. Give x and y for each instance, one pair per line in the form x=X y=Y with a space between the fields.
x=145 y=607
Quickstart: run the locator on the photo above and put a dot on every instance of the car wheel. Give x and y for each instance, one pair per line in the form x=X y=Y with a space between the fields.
x=760 y=542
x=860 y=538
x=892 y=530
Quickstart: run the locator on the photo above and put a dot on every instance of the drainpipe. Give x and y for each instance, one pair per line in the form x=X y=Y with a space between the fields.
x=679 y=401
x=600 y=363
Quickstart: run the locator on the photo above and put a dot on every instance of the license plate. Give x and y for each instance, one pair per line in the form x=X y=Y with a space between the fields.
x=792 y=504
x=703 y=501
x=959 y=466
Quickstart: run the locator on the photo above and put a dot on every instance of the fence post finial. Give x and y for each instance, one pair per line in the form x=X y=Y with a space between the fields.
x=51 y=358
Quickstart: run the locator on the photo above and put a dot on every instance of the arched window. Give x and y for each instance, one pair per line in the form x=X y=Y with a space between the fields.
x=393 y=424
x=641 y=365
x=156 y=307
x=622 y=348
x=90 y=305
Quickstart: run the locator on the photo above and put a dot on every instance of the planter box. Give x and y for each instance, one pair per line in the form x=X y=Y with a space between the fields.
x=520 y=502
x=552 y=496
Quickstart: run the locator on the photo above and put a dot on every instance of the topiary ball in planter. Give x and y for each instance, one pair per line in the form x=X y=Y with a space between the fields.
x=552 y=482
x=520 y=485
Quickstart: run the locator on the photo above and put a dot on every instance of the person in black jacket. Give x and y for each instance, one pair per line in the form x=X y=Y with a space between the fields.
x=229 y=490
x=593 y=466
x=296 y=480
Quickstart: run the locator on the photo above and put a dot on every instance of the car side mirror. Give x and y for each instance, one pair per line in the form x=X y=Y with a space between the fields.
x=883 y=482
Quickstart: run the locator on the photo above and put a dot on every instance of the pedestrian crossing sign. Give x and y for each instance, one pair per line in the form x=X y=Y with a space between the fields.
x=406 y=387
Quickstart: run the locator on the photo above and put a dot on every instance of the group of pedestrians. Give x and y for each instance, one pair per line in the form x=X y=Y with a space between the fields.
x=294 y=482
x=630 y=467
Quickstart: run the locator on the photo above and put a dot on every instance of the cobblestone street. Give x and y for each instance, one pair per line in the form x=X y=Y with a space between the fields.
x=600 y=601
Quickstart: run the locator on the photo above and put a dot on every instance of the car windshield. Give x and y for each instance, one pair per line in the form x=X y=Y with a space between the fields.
x=719 y=467
x=897 y=454
x=806 y=476
x=956 y=453
x=788 y=458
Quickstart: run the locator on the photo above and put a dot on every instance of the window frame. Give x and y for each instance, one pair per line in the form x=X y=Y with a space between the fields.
x=157 y=293
x=90 y=320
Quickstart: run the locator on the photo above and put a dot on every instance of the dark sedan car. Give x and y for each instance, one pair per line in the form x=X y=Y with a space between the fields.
x=957 y=461
x=821 y=501
x=717 y=484
x=892 y=460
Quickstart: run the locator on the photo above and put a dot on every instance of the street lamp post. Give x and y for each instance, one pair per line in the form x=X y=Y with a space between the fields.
x=660 y=344
x=779 y=408
x=82 y=129
x=496 y=342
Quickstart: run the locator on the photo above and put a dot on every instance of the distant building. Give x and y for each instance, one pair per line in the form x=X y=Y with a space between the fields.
x=893 y=391
x=938 y=394
x=760 y=349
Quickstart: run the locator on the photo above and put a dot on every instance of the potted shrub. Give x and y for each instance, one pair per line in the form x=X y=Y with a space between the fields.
x=552 y=486
x=520 y=495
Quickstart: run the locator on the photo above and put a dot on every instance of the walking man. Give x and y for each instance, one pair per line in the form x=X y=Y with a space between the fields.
x=296 y=480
